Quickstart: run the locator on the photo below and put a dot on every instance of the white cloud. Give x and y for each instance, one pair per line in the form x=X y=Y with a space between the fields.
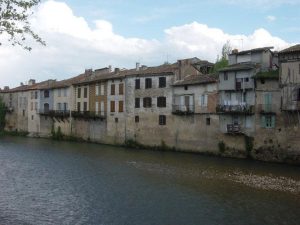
x=72 y=46
x=261 y=3
x=270 y=18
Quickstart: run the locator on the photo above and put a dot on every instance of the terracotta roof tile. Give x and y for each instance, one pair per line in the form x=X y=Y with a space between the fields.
x=295 y=48
x=197 y=79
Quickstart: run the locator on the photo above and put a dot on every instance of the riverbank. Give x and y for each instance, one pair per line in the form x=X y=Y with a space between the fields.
x=266 y=155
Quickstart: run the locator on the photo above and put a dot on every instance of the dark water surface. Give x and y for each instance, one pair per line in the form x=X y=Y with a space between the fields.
x=49 y=182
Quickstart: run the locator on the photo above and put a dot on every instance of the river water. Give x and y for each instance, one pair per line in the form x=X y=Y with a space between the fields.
x=50 y=182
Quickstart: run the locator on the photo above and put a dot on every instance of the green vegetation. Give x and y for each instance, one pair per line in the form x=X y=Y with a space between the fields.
x=274 y=74
x=2 y=114
x=223 y=61
x=249 y=143
x=57 y=135
x=222 y=146
x=14 y=133
x=14 y=23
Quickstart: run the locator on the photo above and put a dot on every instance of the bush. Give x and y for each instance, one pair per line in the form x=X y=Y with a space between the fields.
x=222 y=146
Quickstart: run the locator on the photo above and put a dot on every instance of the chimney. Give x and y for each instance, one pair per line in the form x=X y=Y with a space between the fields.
x=109 y=68
x=6 y=88
x=137 y=66
x=31 y=82
x=143 y=67
x=117 y=70
x=235 y=51
x=21 y=84
x=88 y=72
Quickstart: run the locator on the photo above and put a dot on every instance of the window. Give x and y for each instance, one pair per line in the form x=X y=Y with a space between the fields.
x=246 y=79
x=161 y=102
x=203 y=100
x=268 y=121
x=137 y=84
x=116 y=120
x=36 y=106
x=31 y=106
x=137 y=119
x=112 y=89
x=65 y=106
x=262 y=81
x=85 y=93
x=162 y=120
x=147 y=102
x=65 y=92
x=23 y=112
x=97 y=90
x=78 y=106
x=186 y=87
x=59 y=92
x=78 y=92
x=46 y=94
x=85 y=106
x=35 y=94
x=97 y=107
x=58 y=106
x=121 y=89
x=137 y=102
x=225 y=76
x=120 y=106
x=31 y=94
x=32 y=117
x=112 y=106
x=148 y=83
x=208 y=121
x=162 y=82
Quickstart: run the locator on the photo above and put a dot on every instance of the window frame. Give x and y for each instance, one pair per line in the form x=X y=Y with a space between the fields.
x=162 y=82
x=161 y=102
x=148 y=83
x=162 y=120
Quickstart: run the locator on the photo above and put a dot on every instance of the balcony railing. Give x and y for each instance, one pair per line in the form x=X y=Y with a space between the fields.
x=89 y=114
x=234 y=129
x=54 y=113
x=291 y=106
x=183 y=109
x=267 y=108
x=235 y=109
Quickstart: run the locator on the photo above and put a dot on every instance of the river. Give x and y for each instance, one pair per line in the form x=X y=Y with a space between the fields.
x=50 y=182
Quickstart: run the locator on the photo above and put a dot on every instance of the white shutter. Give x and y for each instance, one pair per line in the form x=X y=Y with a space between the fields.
x=102 y=108
x=97 y=90
x=102 y=89
x=97 y=107
x=205 y=100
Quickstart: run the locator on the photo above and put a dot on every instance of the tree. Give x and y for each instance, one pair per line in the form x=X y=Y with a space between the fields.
x=223 y=61
x=14 y=22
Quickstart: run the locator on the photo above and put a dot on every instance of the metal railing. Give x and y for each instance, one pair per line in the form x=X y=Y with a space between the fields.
x=267 y=108
x=234 y=129
x=89 y=114
x=232 y=109
x=54 y=113
x=183 y=109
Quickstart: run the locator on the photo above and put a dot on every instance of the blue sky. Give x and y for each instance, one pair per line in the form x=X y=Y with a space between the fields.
x=147 y=19
x=83 y=34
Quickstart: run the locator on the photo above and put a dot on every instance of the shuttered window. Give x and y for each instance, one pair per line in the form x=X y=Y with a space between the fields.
x=161 y=102
x=268 y=121
x=121 y=89
x=112 y=89
x=121 y=105
x=112 y=106
x=147 y=102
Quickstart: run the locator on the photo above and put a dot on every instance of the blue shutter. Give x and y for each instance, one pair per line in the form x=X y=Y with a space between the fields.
x=273 y=121
x=263 y=121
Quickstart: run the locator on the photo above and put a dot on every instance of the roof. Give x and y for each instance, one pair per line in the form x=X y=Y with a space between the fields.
x=239 y=66
x=197 y=79
x=273 y=74
x=294 y=48
x=253 y=50
x=165 y=69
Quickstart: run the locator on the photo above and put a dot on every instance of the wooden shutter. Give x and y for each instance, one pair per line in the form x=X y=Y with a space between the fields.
x=120 y=106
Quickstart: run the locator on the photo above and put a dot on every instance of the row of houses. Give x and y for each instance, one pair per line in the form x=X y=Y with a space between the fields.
x=249 y=107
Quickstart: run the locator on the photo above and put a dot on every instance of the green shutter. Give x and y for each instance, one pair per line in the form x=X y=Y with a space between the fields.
x=273 y=121
x=263 y=121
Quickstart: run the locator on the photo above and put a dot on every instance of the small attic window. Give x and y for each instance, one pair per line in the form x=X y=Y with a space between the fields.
x=186 y=87
x=262 y=81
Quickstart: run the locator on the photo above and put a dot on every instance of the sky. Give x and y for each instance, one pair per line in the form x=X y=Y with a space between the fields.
x=84 y=34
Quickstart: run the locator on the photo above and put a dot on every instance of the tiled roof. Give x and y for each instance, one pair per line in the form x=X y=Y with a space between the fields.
x=197 y=79
x=252 y=50
x=295 y=48
x=239 y=66
x=274 y=74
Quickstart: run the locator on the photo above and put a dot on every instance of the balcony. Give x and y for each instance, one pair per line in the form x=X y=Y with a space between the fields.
x=267 y=108
x=235 y=109
x=183 y=109
x=234 y=129
x=54 y=113
x=291 y=106
x=88 y=115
